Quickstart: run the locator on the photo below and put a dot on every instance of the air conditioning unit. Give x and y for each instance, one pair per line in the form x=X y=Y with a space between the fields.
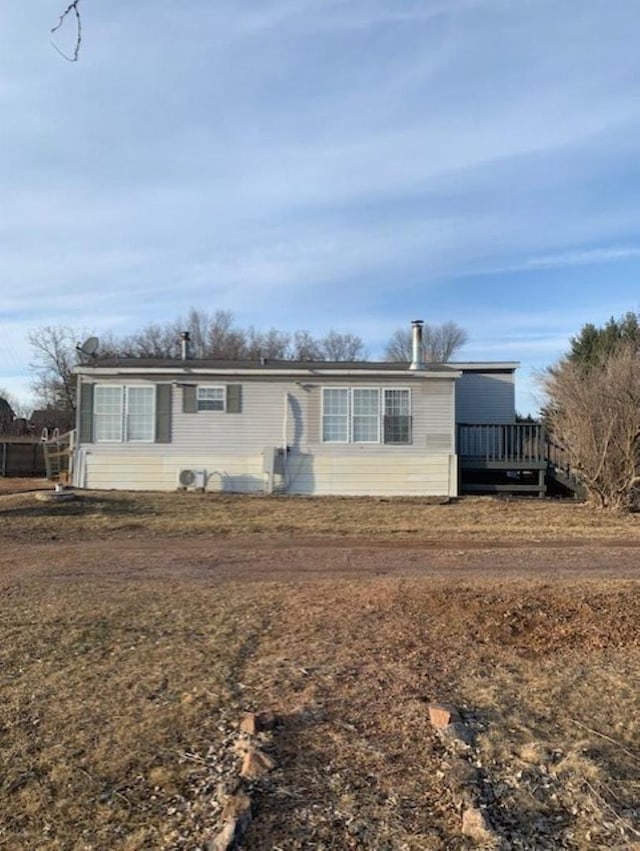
x=192 y=479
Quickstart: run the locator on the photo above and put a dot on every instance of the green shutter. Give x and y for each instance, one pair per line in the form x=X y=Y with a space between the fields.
x=86 y=413
x=189 y=399
x=163 y=413
x=234 y=398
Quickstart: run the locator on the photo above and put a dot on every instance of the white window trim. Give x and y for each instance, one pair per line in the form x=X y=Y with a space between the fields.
x=381 y=414
x=120 y=439
x=124 y=414
x=221 y=387
x=348 y=415
x=410 y=415
x=406 y=390
x=351 y=416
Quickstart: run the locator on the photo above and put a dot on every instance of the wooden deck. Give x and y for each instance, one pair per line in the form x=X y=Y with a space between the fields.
x=512 y=458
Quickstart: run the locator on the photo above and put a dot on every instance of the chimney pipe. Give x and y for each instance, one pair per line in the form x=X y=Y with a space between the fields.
x=185 y=339
x=417 y=352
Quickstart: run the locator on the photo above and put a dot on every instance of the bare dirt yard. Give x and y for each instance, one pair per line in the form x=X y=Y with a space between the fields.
x=136 y=629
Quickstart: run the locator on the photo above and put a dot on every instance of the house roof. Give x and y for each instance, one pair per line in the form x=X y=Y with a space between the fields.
x=269 y=366
x=51 y=418
x=6 y=411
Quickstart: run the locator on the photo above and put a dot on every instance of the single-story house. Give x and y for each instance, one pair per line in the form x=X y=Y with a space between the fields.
x=294 y=427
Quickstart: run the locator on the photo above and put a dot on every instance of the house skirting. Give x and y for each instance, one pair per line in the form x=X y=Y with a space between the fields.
x=367 y=473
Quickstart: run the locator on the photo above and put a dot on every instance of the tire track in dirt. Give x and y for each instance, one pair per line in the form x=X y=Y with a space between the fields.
x=212 y=560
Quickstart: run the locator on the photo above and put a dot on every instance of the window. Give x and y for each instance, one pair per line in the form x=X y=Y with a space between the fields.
x=140 y=420
x=355 y=415
x=397 y=416
x=211 y=398
x=124 y=414
x=107 y=413
x=366 y=416
x=335 y=415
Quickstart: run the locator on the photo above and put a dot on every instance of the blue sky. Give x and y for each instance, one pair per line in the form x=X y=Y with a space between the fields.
x=322 y=163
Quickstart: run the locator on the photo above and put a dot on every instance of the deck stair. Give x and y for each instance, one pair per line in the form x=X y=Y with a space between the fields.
x=58 y=453
x=513 y=458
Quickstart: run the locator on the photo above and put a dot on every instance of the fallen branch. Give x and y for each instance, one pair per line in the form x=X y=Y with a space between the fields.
x=608 y=806
x=607 y=738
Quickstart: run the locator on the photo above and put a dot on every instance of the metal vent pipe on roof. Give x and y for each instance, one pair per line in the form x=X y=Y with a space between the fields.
x=185 y=339
x=417 y=350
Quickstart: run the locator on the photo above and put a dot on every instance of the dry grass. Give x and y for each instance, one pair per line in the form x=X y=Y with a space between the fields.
x=482 y=519
x=105 y=688
x=120 y=684
x=533 y=668
x=113 y=694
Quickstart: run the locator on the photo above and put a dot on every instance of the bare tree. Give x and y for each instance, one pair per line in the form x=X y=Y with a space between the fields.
x=440 y=343
x=213 y=335
x=342 y=347
x=305 y=347
x=197 y=324
x=595 y=413
x=54 y=356
x=72 y=11
x=443 y=341
x=151 y=341
x=271 y=344
x=224 y=339
x=399 y=346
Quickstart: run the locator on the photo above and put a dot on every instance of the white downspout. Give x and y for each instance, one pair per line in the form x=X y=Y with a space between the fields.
x=285 y=440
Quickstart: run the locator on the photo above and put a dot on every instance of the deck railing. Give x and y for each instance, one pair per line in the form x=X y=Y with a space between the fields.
x=517 y=443
x=58 y=454
x=516 y=447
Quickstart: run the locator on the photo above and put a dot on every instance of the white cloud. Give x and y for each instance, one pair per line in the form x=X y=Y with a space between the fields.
x=339 y=161
x=581 y=258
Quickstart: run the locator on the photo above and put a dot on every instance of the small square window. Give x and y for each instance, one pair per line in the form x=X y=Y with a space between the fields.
x=211 y=398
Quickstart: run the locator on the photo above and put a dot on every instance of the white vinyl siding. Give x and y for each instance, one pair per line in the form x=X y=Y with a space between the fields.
x=211 y=398
x=124 y=414
x=369 y=472
x=231 y=449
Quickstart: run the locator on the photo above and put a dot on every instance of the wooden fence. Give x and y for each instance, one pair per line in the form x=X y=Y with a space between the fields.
x=21 y=457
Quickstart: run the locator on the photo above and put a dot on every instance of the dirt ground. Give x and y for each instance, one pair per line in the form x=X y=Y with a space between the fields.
x=127 y=657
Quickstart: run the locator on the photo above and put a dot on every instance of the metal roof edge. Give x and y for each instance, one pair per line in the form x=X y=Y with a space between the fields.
x=480 y=366
x=187 y=371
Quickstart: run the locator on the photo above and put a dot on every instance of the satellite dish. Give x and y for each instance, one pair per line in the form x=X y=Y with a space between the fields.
x=89 y=347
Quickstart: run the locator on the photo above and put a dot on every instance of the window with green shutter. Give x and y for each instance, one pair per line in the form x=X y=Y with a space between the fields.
x=125 y=413
x=206 y=398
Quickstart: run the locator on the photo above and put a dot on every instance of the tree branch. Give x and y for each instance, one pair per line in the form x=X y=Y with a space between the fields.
x=72 y=8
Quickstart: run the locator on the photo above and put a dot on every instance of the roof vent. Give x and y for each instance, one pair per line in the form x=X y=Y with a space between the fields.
x=417 y=350
x=185 y=339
